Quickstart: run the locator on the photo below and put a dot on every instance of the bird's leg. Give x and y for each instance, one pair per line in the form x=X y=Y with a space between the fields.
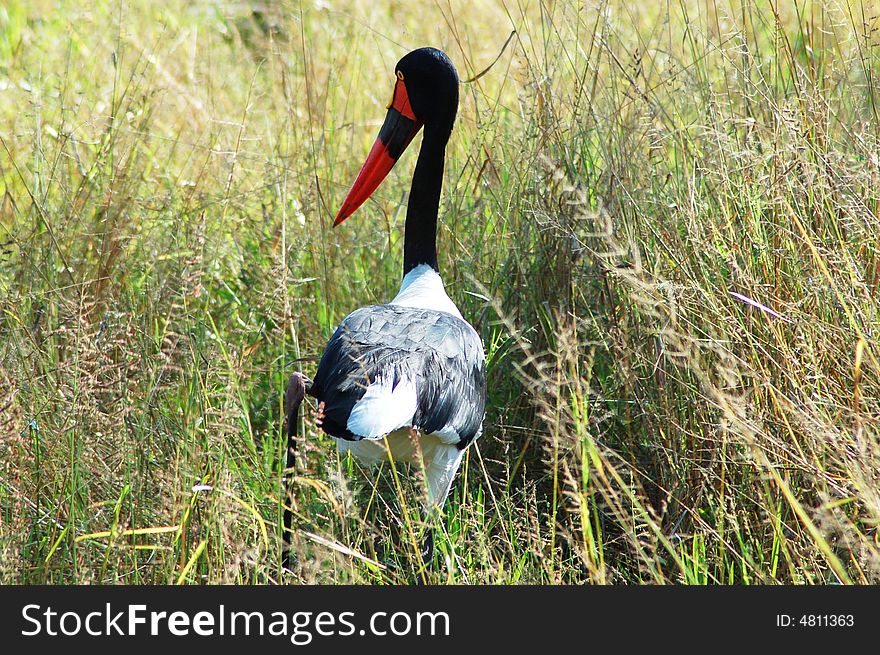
x=427 y=551
x=297 y=388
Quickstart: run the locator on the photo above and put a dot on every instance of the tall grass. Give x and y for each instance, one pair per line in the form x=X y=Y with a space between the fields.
x=662 y=221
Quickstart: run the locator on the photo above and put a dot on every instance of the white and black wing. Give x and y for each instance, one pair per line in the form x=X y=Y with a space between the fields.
x=389 y=366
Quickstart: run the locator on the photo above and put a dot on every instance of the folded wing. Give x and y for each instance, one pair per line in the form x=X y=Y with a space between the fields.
x=389 y=367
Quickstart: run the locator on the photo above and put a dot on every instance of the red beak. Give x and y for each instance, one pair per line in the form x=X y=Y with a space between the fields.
x=398 y=130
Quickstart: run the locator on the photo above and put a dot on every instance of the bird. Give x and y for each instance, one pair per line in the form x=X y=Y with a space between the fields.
x=404 y=380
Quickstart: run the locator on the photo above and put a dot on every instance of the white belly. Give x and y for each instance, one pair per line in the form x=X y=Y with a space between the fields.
x=441 y=459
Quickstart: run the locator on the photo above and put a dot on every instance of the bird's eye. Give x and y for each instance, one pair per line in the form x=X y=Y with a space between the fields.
x=394 y=90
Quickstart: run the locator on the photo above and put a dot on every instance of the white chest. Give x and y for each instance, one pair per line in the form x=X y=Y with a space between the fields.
x=423 y=288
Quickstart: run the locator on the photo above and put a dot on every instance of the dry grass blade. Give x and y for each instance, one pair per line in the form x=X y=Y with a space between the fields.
x=166 y=263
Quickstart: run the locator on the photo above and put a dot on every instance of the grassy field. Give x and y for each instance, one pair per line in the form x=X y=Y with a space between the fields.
x=663 y=223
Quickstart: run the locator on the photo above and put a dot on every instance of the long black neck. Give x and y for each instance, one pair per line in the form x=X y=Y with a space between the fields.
x=420 y=236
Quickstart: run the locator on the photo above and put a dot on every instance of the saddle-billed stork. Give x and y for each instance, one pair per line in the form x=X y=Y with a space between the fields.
x=405 y=380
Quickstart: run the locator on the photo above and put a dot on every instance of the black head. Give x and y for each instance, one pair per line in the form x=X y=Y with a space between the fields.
x=425 y=93
x=432 y=85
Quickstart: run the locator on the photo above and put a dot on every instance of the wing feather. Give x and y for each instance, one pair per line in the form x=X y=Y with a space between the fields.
x=438 y=354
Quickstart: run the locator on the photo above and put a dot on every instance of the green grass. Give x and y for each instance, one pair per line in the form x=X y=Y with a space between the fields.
x=168 y=177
